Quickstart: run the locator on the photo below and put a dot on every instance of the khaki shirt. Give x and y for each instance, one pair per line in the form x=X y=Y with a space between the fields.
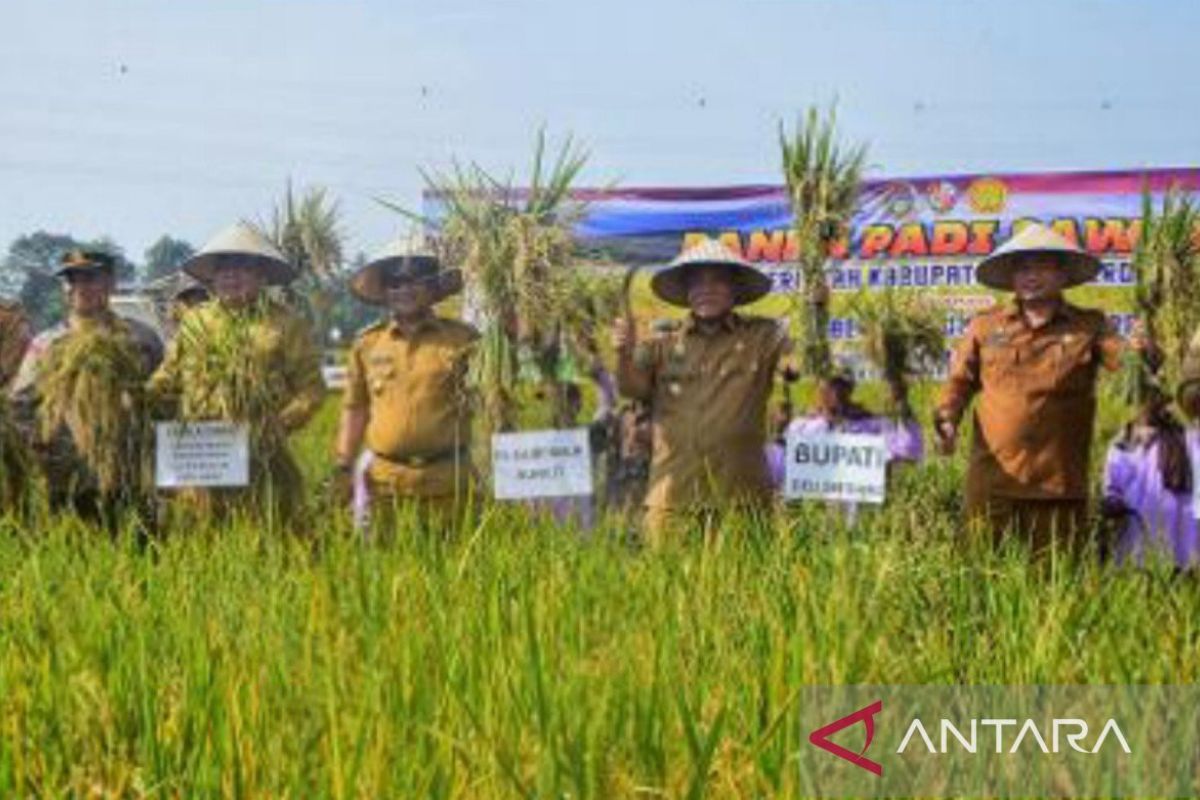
x=414 y=389
x=277 y=340
x=1037 y=400
x=708 y=393
x=15 y=335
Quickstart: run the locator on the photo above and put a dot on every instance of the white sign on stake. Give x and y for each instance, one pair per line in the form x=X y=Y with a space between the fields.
x=211 y=454
x=533 y=464
x=850 y=467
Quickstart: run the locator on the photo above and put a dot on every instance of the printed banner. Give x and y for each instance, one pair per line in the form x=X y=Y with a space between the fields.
x=850 y=467
x=534 y=464
x=923 y=233
x=208 y=454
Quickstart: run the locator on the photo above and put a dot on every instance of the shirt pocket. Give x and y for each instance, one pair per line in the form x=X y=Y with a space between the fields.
x=1074 y=363
x=997 y=363
x=677 y=380
x=381 y=373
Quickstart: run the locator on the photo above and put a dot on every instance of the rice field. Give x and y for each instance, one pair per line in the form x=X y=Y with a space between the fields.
x=512 y=658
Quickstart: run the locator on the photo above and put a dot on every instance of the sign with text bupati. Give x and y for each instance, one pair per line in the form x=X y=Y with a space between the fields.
x=848 y=467
x=532 y=464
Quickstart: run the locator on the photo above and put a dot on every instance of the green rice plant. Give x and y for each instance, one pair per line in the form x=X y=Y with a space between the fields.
x=230 y=370
x=823 y=179
x=16 y=472
x=1166 y=264
x=90 y=389
x=509 y=657
x=903 y=335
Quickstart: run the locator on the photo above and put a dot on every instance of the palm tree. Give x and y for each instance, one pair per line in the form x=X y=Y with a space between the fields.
x=307 y=229
x=823 y=181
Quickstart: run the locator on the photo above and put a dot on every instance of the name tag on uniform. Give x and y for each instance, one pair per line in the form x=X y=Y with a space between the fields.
x=201 y=454
x=850 y=467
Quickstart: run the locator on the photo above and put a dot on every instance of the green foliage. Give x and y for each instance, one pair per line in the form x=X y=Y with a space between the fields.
x=514 y=660
x=903 y=333
x=307 y=229
x=15 y=464
x=226 y=358
x=511 y=658
x=823 y=179
x=165 y=257
x=1166 y=266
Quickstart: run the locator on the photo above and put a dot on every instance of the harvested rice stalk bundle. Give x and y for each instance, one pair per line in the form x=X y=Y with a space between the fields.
x=229 y=360
x=516 y=250
x=823 y=180
x=903 y=335
x=593 y=300
x=91 y=385
x=15 y=464
x=1166 y=266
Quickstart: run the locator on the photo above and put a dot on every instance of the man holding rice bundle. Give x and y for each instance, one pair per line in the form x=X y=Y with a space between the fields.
x=247 y=359
x=14 y=338
x=406 y=394
x=78 y=396
x=1034 y=366
x=15 y=335
x=707 y=384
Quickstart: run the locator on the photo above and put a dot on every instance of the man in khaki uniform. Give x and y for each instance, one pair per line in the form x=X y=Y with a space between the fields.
x=15 y=335
x=707 y=385
x=248 y=359
x=14 y=462
x=1034 y=366
x=73 y=482
x=406 y=392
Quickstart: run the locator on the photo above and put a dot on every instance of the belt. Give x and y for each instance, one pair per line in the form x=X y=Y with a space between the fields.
x=425 y=459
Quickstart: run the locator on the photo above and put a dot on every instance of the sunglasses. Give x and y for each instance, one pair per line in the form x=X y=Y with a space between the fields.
x=74 y=278
x=405 y=281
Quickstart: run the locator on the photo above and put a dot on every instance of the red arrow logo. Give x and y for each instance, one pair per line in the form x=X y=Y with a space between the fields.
x=820 y=737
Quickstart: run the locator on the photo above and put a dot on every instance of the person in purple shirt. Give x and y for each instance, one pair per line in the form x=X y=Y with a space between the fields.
x=836 y=411
x=1148 y=484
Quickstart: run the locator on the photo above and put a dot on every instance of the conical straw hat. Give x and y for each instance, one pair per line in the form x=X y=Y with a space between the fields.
x=997 y=270
x=245 y=245
x=670 y=283
x=410 y=257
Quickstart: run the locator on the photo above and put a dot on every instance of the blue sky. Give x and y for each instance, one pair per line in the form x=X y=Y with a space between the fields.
x=135 y=118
